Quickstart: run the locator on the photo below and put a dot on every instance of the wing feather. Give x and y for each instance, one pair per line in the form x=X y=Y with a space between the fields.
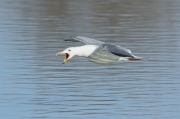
x=117 y=50
x=85 y=40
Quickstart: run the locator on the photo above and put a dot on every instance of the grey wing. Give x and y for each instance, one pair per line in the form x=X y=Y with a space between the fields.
x=87 y=41
x=117 y=50
x=101 y=55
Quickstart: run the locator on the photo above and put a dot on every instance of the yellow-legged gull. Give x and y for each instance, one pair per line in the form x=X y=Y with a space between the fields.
x=97 y=51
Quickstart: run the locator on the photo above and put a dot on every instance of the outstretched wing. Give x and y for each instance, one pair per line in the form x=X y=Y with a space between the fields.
x=117 y=50
x=101 y=55
x=87 y=41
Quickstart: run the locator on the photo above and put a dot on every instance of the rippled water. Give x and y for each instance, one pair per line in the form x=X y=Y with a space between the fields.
x=33 y=84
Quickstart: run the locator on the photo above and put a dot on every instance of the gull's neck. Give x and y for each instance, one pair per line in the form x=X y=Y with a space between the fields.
x=85 y=50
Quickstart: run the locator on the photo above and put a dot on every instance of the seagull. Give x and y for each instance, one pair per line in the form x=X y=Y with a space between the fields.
x=97 y=51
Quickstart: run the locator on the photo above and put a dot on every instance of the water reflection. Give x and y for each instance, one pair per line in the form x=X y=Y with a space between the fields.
x=34 y=85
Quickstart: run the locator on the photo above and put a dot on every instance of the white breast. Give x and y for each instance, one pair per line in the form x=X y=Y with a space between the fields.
x=85 y=50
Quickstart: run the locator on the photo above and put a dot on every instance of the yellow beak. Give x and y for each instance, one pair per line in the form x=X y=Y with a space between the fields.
x=66 y=58
x=58 y=53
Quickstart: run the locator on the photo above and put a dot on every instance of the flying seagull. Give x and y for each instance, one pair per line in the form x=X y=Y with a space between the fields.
x=97 y=51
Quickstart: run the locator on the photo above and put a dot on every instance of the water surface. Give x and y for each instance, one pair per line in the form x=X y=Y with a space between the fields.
x=33 y=84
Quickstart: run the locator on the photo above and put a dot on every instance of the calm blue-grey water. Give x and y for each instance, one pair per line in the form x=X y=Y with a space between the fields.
x=33 y=84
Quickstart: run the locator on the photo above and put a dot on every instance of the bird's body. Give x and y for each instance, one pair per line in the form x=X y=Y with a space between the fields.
x=97 y=51
x=82 y=50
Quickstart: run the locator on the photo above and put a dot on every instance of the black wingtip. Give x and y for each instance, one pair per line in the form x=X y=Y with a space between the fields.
x=69 y=39
x=72 y=38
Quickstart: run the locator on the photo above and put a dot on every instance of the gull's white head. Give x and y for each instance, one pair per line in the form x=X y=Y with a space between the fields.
x=69 y=54
x=84 y=51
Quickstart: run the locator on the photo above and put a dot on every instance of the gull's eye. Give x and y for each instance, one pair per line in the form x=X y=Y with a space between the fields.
x=69 y=50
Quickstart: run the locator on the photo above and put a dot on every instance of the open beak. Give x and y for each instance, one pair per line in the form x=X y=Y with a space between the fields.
x=58 y=53
x=66 y=58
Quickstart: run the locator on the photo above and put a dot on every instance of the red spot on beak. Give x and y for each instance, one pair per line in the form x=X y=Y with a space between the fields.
x=63 y=63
